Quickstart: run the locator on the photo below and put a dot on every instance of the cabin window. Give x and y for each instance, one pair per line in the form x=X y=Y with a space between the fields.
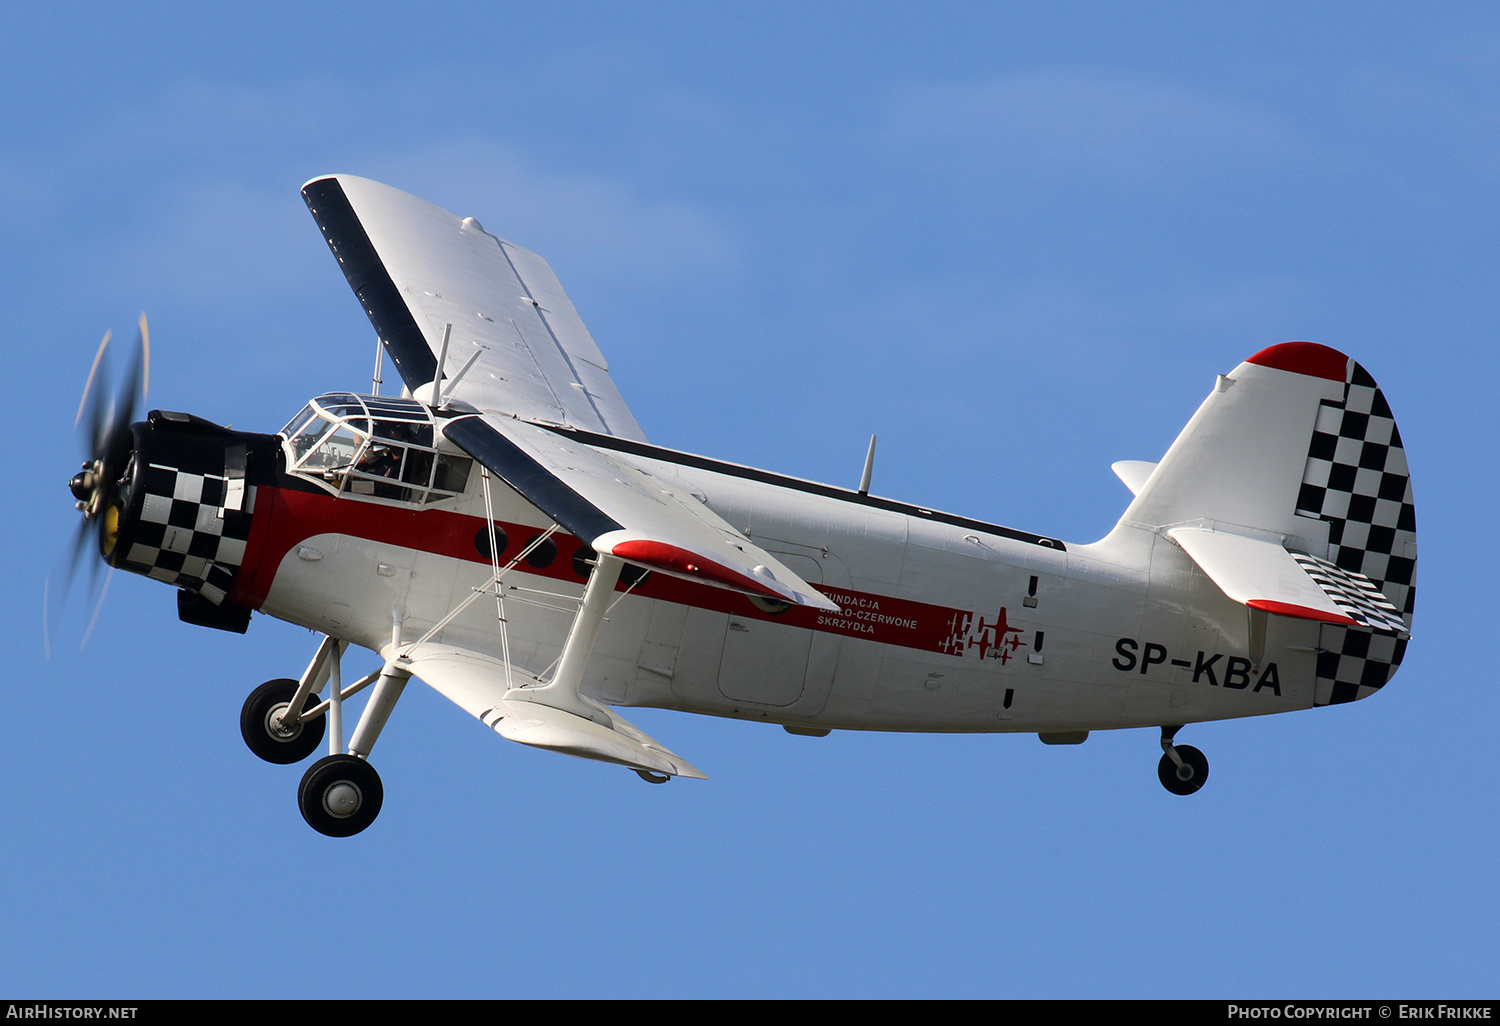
x=375 y=446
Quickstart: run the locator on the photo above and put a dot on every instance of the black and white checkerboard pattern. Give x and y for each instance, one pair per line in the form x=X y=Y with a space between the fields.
x=1354 y=593
x=1357 y=481
x=1355 y=662
x=193 y=530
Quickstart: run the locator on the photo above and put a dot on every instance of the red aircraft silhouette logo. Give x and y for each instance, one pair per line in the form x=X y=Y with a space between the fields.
x=1004 y=647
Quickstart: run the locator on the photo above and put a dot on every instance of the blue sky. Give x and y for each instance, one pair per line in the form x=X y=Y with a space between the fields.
x=1016 y=241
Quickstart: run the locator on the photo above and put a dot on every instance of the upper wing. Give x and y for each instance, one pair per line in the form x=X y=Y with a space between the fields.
x=623 y=511
x=516 y=347
x=417 y=268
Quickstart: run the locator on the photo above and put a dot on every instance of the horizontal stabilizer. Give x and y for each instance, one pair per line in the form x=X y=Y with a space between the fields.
x=1264 y=575
x=1135 y=473
x=623 y=511
x=478 y=684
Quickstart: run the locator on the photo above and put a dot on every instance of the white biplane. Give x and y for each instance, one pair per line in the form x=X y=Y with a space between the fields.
x=504 y=531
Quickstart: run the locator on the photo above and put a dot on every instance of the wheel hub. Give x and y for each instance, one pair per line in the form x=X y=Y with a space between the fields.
x=342 y=799
x=277 y=728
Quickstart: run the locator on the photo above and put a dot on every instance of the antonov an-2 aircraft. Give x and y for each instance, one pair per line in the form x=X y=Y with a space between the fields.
x=504 y=531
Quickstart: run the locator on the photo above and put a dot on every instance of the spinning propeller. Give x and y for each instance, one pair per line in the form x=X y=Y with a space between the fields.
x=108 y=444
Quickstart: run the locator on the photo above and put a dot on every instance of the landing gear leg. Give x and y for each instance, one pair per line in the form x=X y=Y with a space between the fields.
x=387 y=689
x=268 y=723
x=340 y=794
x=1183 y=769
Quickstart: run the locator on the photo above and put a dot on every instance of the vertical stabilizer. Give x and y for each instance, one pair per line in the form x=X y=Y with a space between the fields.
x=1297 y=447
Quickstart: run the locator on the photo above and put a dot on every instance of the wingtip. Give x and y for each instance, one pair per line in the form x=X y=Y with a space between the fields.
x=673 y=559
x=314 y=180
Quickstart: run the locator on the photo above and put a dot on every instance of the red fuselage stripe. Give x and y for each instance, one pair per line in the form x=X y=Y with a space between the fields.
x=285 y=518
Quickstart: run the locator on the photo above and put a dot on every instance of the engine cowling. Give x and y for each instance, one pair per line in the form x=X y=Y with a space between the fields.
x=181 y=509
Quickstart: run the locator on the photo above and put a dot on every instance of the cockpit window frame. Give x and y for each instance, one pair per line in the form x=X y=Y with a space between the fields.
x=370 y=447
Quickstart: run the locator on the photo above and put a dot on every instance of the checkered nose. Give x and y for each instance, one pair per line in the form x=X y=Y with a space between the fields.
x=184 y=504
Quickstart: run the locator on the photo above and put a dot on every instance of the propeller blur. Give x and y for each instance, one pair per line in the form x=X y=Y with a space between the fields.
x=107 y=449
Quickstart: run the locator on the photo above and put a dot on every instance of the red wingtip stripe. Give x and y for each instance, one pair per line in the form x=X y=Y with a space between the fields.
x=1301 y=612
x=1308 y=358
x=672 y=559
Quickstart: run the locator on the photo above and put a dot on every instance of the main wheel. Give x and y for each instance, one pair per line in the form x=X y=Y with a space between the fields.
x=268 y=739
x=1187 y=778
x=340 y=795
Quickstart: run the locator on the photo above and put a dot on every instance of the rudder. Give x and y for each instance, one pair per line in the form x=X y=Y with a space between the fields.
x=1358 y=482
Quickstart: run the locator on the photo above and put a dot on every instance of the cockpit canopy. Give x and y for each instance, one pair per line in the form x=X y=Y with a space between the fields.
x=373 y=445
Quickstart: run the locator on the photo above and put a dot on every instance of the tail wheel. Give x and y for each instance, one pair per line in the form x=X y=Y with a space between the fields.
x=1187 y=778
x=340 y=795
x=263 y=733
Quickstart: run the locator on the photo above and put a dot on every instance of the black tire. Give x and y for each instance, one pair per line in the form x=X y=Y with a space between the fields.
x=1194 y=767
x=329 y=807
x=255 y=725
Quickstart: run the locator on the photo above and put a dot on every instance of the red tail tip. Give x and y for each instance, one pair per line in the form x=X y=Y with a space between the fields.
x=1308 y=358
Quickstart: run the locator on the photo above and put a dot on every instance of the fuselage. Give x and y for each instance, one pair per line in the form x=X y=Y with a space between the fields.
x=947 y=624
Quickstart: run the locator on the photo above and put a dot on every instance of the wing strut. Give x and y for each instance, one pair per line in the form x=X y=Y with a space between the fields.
x=496 y=581
x=561 y=692
x=551 y=714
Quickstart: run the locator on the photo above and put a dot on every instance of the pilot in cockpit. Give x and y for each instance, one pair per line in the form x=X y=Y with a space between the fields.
x=380 y=460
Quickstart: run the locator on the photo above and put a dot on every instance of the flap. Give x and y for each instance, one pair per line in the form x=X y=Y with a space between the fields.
x=1264 y=575
x=477 y=684
x=623 y=511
